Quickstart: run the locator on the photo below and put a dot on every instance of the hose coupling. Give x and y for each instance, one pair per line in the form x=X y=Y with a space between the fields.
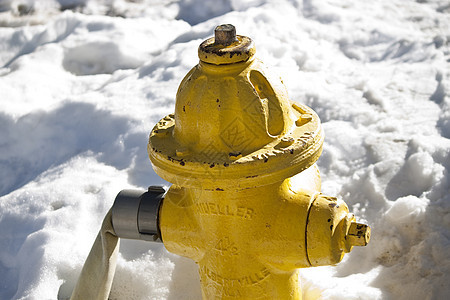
x=135 y=214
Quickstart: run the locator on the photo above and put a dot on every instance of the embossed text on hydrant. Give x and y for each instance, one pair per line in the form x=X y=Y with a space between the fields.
x=211 y=208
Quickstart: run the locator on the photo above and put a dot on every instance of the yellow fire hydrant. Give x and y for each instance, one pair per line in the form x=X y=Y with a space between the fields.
x=245 y=203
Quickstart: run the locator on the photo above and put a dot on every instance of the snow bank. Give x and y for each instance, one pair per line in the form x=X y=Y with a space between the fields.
x=83 y=82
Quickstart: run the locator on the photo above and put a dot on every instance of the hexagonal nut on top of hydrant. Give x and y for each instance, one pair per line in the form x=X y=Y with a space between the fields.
x=245 y=203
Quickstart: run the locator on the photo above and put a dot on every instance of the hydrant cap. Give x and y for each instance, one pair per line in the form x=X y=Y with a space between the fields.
x=226 y=47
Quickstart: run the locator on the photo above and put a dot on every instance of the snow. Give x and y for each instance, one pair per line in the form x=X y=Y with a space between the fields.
x=83 y=82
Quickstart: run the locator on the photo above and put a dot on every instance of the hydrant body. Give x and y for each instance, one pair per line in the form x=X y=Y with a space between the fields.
x=248 y=243
x=245 y=203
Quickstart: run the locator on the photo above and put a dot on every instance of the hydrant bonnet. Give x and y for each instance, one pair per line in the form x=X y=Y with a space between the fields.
x=232 y=115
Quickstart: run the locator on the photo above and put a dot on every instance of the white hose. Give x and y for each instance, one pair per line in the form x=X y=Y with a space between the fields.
x=98 y=271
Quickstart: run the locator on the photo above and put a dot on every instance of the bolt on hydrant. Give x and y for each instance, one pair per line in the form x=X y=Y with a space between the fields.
x=245 y=203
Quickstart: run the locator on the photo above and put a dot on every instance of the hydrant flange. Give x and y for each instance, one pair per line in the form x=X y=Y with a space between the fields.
x=282 y=158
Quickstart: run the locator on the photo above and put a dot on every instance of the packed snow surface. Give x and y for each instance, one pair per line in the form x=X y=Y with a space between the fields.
x=83 y=82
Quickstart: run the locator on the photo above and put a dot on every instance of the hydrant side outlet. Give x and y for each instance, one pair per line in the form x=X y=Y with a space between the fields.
x=245 y=203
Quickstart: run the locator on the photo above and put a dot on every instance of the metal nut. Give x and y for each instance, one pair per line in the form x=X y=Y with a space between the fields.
x=225 y=35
